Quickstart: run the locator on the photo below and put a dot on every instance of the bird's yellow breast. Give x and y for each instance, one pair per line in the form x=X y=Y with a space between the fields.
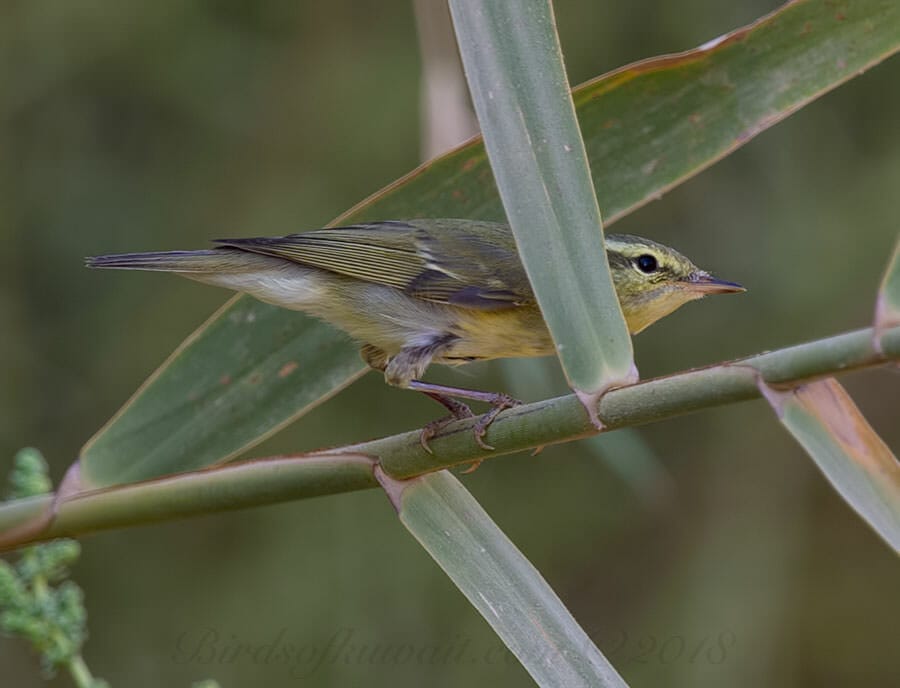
x=510 y=333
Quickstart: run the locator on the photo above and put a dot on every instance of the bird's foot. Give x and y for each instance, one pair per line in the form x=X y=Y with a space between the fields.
x=502 y=402
x=458 y=411
x=499 y=403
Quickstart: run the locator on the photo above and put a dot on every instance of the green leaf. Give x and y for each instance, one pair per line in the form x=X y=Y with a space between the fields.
x=244 y=374
x=499 y=581
x=647 y=127
x=824 y=420
x=887 y=306
x=650 y=125
x=514 y=67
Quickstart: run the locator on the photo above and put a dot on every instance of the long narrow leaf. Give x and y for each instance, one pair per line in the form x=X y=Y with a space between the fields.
x=228 y=385
x=887 y=305
x=514 y=67
x=670 y=116
x=824 y=420
x=500 y=582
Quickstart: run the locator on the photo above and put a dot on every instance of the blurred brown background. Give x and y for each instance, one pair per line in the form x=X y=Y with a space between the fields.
x=703 y=551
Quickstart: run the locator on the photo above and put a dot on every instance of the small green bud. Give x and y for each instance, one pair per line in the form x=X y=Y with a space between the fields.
x=50 y=560
x=12 y=591
x=30 y=475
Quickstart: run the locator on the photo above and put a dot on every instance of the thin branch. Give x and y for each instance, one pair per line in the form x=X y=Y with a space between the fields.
x=563 y=419
x=272 y=480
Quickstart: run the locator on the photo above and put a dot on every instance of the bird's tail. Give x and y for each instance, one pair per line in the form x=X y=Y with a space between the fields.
x=205 y=261
x=273 y=280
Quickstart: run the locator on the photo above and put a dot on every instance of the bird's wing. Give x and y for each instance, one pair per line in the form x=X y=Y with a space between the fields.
x=383 y=253
x=446 y=261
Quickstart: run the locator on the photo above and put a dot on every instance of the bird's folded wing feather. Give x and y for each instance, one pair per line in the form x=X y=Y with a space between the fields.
x=437 y=260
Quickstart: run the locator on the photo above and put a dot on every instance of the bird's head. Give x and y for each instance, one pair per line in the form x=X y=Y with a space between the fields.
x=652 y=280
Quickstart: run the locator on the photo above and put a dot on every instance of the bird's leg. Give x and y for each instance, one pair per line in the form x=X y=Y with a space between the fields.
x=403 y=370
x=458 y=411
x=409 y=363
x=444 y=394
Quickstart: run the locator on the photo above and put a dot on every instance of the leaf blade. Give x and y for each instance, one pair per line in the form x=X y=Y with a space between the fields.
x=251 y=369
x=500 y=582
x=513 y=64
x=887 y=305
x=822 y=417
x=662 y=110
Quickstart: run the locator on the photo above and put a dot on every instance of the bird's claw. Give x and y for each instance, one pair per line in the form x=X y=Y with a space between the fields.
x=499 y=403
x=460 y=411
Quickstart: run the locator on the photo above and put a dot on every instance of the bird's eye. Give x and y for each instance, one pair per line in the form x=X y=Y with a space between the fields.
x=646 y=263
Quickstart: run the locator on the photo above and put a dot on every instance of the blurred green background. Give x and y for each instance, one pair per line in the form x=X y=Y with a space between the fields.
x=706 y=550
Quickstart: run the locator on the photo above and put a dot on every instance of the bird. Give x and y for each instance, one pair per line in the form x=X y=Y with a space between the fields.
x=421 y=291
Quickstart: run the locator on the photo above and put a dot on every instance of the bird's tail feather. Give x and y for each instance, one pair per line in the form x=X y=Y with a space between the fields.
x=211 y=260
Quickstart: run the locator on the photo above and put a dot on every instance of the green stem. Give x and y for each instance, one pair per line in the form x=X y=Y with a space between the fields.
x=563 y=418
x=80 y=673
x=267 y=481
x=40 y=588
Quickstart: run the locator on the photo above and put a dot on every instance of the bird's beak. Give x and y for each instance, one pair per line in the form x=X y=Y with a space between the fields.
x=703 y=283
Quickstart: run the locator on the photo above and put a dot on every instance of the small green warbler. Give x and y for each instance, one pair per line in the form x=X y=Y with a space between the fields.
x=421 y=291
